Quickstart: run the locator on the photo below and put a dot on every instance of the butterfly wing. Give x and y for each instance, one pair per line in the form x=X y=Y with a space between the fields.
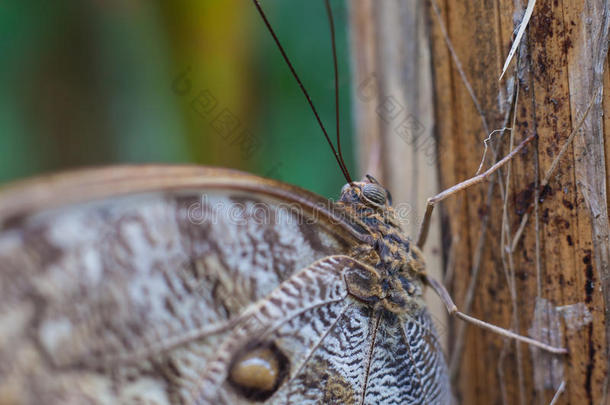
x=190 y=285
x=317 y=333
x=111 y=280
x=407 y=364
x=333 y=348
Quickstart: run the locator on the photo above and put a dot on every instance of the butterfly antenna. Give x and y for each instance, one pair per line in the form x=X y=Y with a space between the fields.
x=296 y=76
x=331 y=23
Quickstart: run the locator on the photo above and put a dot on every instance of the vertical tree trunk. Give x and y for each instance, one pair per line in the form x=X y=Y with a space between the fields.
x=531 y=245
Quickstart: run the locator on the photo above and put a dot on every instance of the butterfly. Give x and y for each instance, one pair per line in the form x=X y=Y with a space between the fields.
x=197 y=285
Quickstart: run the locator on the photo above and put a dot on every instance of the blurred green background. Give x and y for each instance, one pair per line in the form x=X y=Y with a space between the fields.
x=98 y=82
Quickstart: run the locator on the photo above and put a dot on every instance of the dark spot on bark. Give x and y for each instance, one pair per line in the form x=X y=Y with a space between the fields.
x=541 y=25
x=524 y=254
x=541 y=65
x=590 y=364
x=589 y=284
x=554 y=102
x=567 y=44
x=545 y=216
x=568 y=204
x=546 y=191
x=561 y=223
x=523 y=199
x=569 y=240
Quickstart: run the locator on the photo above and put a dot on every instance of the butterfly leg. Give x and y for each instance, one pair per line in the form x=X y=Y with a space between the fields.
x=453 y=310
x=432 y=201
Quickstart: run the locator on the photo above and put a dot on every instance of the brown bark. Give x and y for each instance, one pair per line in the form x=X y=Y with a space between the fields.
x=554 y=283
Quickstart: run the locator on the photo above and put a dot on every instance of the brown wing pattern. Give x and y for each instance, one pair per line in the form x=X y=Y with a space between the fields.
x=159 y=285
x=137 y=284
x=294 y=320
x=341 y=351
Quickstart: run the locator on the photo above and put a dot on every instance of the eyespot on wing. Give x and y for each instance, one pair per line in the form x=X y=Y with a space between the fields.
x=258 y=371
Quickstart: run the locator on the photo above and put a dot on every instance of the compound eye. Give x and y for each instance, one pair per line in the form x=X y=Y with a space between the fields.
x=374 y=193
x=345 y=188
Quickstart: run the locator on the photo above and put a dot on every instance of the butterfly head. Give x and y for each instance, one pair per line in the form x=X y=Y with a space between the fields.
x=368 y=191
x=369 y=206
